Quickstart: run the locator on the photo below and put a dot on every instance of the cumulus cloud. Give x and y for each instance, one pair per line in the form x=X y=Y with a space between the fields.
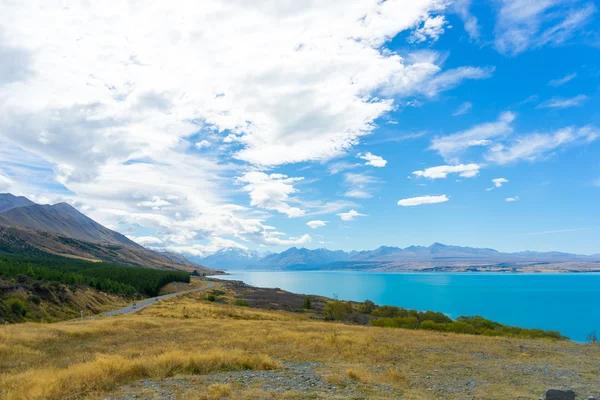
x=316 y=224
x=537 y=146
x=148 y=241
x=202 y=143
x=463 y=109
x=441 y=172
x=373 y=160
x=525 y=24
x=452 y=146
x=511 y=199
x=350 y=215
x=431 y=29
x=563 y=80
x=114 y=111
x=271 y=192
x=559 y=103
x=417 y=201
x=498 y=182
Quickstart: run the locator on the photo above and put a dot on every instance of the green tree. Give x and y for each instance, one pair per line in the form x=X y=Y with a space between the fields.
x=337 y=310
x=367 y=307
x=307 y=303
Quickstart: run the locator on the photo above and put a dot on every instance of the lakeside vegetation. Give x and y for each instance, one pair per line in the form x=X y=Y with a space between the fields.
x=369 y=313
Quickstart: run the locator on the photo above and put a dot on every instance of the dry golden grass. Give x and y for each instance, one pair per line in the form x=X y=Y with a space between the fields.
x=185 y=335
x=176 y=287
x=107 y=371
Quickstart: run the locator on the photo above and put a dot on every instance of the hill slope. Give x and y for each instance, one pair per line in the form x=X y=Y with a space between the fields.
x=33 y=229
x=65 y=220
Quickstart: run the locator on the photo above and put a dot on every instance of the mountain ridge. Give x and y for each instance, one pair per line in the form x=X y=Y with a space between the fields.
x=435 y=257
x=60 y=229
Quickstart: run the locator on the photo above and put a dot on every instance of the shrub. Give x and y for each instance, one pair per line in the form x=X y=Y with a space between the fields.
x=367 y=307
x=210 y=297
x=17 y=306
x=307 y=303
x=337 y=310
x=241 y=303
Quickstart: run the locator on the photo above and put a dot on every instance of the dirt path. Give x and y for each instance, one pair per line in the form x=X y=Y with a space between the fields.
x=146 y=302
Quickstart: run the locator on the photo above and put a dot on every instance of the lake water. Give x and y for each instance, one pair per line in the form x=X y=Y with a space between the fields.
x=568 y=303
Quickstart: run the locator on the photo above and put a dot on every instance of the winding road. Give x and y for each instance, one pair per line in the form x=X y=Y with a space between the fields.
x=146 y=302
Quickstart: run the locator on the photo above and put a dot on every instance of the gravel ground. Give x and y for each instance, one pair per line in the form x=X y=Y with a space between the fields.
x=294 y=377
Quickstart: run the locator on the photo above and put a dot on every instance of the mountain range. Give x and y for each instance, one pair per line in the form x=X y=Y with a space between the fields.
x=34 y=229
x=59 y=229
x=437 y=257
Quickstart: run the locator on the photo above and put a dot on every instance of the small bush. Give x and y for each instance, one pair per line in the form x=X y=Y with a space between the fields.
x=17 y=306
x=367 y=307
x=210 y=297
x=337 y=310
x=307 y=303
x=218 y=391
x=241 y=303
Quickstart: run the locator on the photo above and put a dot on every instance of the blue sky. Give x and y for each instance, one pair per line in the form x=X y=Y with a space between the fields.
x=340 y=125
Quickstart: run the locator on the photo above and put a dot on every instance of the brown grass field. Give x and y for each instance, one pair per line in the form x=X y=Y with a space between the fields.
x=186 y=348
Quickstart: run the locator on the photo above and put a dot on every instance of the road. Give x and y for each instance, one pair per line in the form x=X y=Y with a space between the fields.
x=146 y=302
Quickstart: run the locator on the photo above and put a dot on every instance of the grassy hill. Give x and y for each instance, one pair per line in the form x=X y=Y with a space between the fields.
x=191 y=348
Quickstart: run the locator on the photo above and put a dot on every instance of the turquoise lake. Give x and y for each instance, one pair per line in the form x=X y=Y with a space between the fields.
x=568 y=303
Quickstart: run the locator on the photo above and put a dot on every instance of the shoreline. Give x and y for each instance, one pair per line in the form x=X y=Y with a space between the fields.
x=241 y=289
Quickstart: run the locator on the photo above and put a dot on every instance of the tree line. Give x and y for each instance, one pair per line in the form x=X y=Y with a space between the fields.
x=107 y=277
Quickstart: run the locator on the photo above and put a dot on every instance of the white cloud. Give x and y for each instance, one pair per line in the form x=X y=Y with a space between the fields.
x=360 y=185
x=441 y=172
x=341 y=166
x=271 y=192
x=155 y=203
x=417 y=201
x=5 y=183
x=560 y=103
x=463 y=109
x=430 y=82
x=203 y=250
x=511 y=199
x=498 y=182
x=350 y=215
x=452 y=146
x=432 y=29
x=147 y=241
x=373 y=160
x=203 y=143
x=316 y=224
x=563 y=80
x=113 y=111
x=537 y=146
x=461 y=7
x=525 y=24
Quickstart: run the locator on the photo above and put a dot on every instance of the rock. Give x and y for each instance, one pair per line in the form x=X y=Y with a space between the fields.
x=560 y=394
